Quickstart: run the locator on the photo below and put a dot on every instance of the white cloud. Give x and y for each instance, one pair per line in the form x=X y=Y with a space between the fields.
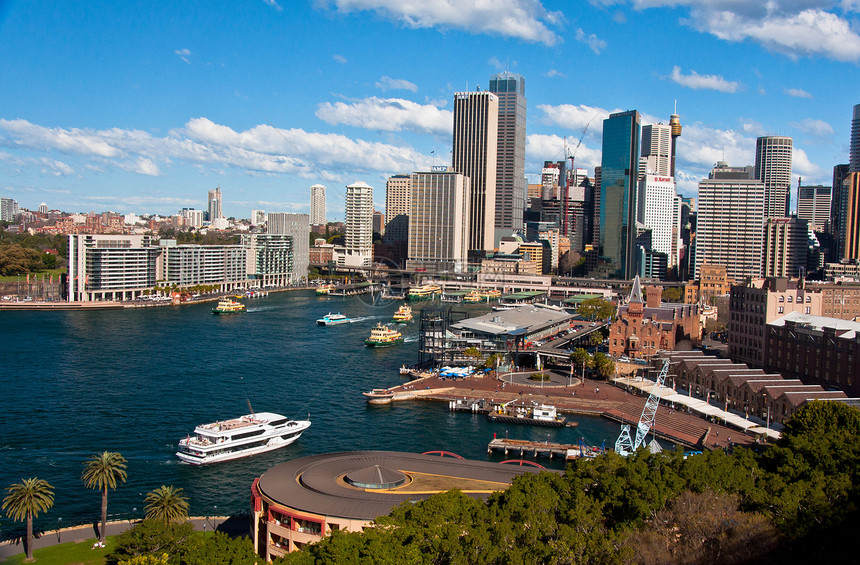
x=521 y=19
x=710 y=82
x=184 y=54
x=797 y=93
x=496 y=64
x=388 y=114
x=388 y=83
x=575 y=117
x=553 y=73
x=54 y=167
x=815 y=128
x=540 y=148
x=802 y=166
x=796 y=28
x=339 y=58
x=594 y=43
x=752 y=127
x=273 y=4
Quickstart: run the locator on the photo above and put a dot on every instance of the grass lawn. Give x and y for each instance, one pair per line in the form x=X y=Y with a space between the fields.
x=23 y=278
x=68 y=554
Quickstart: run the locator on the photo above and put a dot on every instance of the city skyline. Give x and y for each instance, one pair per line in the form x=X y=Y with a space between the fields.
x=155 y=106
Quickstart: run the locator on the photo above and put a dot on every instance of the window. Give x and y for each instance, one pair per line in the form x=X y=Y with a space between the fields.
x=808 y=299
x=789 y=299
x=807 y=310
x=782 y=298
x=780 y=310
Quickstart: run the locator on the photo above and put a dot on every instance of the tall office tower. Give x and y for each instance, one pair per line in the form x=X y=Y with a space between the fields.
x=439 y=222
x=358 y=239
x=729 y=222
x=317 y=205
x=660 y=210
x=379 y=222
x=511 y=148
x=215 y=204
x=773 y=168
x=595 y=222
x=850 y=249
x=398 y=200
x=550 y=178
x=476 y=120
x=619 y=174
x=298 y=227
x=854 y=150
x=785 y=244
x=675 y=124
x=813 y=205
x=656 y=157
x=837 y=198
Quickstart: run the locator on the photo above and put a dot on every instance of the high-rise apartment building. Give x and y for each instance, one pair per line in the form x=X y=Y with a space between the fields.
x=813 y=205
x=785 y=246
x=511 y=153
x=439 y=221
x=317 y=205
x=854 y=149
x=398 y=200
x=358 y=239
x=214 y=209
x=773 y=168
x=729 y=222
x=618 y=190
x=656 y=157
x=476 y=131
x=258 y=217
x=8 y=209
x=298 y=227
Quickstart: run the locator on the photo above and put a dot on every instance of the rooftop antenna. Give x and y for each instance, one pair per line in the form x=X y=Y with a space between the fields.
x=675 y=111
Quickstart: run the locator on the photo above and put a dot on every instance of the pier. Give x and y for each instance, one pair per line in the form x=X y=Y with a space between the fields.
x=524 y=448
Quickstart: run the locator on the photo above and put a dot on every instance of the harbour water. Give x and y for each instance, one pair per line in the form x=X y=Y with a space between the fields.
x=136 y=381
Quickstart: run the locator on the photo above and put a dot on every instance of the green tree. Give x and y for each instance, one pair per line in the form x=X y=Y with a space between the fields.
x=25 y=501
x=218 y=549
x=673 y=294
x=596 y=338
x=162 y=559
x=472 y=353
x=580 y=358
x=103 y=471
x=603 y=365
x=166 y=503
x=151 y=537
x=596 y=309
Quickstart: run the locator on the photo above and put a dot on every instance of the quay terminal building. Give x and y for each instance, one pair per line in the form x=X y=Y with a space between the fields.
x=301 y=501
x=127 y=267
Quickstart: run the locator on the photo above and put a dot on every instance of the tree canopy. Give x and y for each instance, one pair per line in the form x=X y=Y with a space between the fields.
x=596 y=309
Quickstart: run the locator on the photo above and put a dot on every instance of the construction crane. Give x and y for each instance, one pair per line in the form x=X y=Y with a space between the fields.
x=625 y=445
x=566 y=188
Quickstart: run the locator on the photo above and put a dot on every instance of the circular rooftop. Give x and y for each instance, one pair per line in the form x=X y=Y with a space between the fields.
x=376 y=477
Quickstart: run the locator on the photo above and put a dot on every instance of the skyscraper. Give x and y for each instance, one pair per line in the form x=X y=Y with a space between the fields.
x=297 y=226
x=358 y=239
x=476 y=120
x=619 y=174
x=438 y=221
x=215 y=204
x=660 y=210
x=785 y=244
x=398 y=200
x=773 y=168
x=854 y=150
x=813 y=205
x=511 y=151
x=317 y=205
x=656 y=157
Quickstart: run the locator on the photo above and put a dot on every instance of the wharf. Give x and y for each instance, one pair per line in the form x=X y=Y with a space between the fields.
x=524 y=448
x=354 y=289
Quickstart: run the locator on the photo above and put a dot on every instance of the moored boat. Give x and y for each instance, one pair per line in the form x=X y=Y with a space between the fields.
x=383 y=336
x=227 y=305
x=403 y=314
x=240 y=437
x=536 y=415
x=379 y=396
x=325 y=289
x=333 y=319
x=472 y=297
x=425 y=292
x=490 y=294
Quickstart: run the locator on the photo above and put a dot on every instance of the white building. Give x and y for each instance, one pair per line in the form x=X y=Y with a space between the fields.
x=214 y=208
x=8 y=209
x=358 y=240
x=660 y=210
x=773 y=169
x=191 y=218
x=258 y=217
x=439 y=222
x=298 y=227
x=317 y=205
x=111 y=267
x=656 y=155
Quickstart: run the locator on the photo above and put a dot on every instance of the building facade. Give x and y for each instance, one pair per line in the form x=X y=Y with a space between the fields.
x=214 y=205
x=854 y=148
x=318 y=211
x=656 y=157
x=813 y=205
x=475 y=155
x=358 y=239
x=296 y=226
x=510 y=89
x=439 y=226
x=618 y=208
x=786 y=241
x=8 y=209
x=272 y=259
x=773 y=169
x=111 y=267
x=660 y=210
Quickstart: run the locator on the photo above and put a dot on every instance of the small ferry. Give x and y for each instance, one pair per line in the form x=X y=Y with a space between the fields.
x=426 y=292
x=490 y=294
x=379 y=396
x=227 y=305
x=472 y=298
x=333 y=319
x=537 y=415
x=383 y=336
x=325 y=289
x=403 y=314
x=240 y=437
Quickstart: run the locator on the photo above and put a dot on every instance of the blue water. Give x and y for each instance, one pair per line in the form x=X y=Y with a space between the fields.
x=136 y=381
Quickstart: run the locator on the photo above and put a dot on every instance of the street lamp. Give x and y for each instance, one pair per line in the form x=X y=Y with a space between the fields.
x=134 y=514
x=214 y=518
x=59 y=526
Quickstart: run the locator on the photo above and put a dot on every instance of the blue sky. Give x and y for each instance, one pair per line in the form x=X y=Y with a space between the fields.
x=145 y=106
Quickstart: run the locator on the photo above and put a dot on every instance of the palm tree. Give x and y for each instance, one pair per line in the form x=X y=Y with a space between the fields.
x=25 y=500
x=102 y=471
x=166 y=503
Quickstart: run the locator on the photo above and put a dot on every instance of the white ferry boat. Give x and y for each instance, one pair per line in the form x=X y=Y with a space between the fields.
x=332 y=319
x=240 y=437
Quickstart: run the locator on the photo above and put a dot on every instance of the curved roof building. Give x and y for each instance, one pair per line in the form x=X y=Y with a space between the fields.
x=300 y=501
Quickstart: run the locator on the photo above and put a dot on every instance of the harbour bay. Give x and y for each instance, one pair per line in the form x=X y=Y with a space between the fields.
x=137 y=380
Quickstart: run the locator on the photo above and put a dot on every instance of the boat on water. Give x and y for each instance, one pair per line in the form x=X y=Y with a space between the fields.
x=425 y=292
x=490 y=294
x=227 y=305
x=379 y=396
x=383 y=336
x=325 y=289
x=240 y=437
x=333 y=319
x=472 y=298
x=536 y=415
x=403 y=314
